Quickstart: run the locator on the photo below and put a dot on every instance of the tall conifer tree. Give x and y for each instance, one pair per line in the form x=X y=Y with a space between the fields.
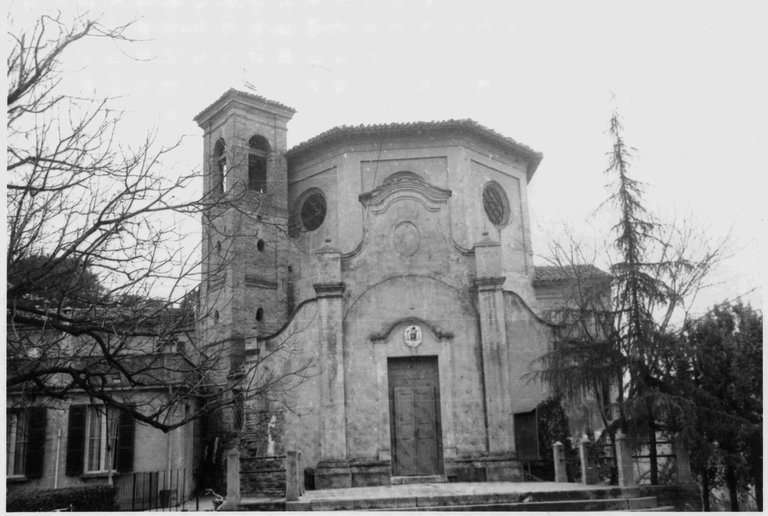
x=635 y=286
x=615 y=342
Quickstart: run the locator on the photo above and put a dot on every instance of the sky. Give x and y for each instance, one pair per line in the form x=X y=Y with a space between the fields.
x=688 y=78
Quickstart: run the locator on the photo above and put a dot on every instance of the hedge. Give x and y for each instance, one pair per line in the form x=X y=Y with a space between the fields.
x=86 y=498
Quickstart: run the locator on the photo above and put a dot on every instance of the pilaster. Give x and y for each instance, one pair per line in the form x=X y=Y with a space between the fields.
x=333 y=468
x=493 y=336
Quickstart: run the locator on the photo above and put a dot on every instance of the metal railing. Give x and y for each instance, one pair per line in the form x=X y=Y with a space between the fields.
x=602 y=466
x=152 y=490
x=666 y=462
x=538 y=471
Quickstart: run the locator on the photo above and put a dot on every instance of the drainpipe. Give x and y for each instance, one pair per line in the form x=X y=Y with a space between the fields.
x=170 y=446
x=56 y=464
x=169 y=460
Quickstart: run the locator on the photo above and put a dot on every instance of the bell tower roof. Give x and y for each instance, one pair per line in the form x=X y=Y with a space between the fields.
x=248 y=101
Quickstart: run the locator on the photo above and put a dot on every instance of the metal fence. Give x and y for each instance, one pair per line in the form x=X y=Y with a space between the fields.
x=603 y=468
x=152 y=490
x=666 y=463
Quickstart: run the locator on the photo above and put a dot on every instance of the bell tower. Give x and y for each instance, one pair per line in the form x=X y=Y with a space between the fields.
x=246 y=275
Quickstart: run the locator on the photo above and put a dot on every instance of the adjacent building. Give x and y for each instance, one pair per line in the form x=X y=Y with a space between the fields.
x=74 y=439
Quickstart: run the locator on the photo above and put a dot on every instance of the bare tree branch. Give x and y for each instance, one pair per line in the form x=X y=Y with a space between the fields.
x=102 y=282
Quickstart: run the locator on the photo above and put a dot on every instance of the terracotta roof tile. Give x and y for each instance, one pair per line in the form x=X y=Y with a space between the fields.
x=410 y=127
x=554 y=273
x=252 y=96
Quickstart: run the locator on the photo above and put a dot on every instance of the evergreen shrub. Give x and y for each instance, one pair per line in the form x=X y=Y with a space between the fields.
x=85 y=498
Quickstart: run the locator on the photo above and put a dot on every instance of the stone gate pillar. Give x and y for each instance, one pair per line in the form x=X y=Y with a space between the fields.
x=624 y=462
x=332 y=470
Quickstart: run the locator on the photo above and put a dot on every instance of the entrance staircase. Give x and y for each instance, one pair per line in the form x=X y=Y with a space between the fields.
x=550 y=502
x=504 y=496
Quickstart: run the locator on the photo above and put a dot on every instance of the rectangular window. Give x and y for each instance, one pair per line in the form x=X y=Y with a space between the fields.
x=100 y=451
x=16 y=443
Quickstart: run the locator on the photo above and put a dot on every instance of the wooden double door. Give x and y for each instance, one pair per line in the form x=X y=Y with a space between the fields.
x=414 y=408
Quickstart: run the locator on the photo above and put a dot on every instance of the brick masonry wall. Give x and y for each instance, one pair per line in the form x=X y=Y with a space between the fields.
x=262 y=477
x=262 y=452
x=263 y=433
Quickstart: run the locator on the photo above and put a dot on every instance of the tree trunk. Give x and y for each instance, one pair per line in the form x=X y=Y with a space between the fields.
x=733 y=492
x=705 y=486
x=756 y=460
x=652 y=445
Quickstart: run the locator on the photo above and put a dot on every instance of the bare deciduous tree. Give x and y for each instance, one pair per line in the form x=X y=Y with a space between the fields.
x=102 y=283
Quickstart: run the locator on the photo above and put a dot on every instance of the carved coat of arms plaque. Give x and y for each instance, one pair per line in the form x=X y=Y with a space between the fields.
x=412 y=336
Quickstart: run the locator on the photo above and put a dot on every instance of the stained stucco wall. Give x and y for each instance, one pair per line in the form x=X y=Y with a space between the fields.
x=374 y=332
x=297 y=413
x=431 y=284
x=528 y=337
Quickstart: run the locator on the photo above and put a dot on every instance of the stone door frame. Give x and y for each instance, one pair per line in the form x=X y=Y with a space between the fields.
x=429 y=372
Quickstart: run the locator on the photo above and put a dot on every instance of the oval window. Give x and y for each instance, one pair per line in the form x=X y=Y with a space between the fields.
x=496 y=203
x=313 y=210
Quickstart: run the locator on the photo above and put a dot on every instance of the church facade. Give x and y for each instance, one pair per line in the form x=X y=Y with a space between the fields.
x=391 y=265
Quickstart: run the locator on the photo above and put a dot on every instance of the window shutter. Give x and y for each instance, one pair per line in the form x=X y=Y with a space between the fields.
x=35 y=442
x=126 y=431
x=76 y=440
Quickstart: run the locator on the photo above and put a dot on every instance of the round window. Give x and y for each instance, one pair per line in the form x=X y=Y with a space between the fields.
x=313 y=210
x=495 y=203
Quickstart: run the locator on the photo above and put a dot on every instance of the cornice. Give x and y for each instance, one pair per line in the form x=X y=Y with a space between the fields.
x=385 y=332
x=490 y=283
x=329 y=289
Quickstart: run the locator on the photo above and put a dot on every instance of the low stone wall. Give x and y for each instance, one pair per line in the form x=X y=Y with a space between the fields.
x=262 y=476
x=483 y=468
x=262 y=455
x=373 y=472
x=370 y=472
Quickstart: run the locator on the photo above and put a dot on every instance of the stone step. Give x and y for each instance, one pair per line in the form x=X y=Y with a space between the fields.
x=425 y=479
x=262 y=505
x=662 y=508
x=611 y=504
x=641 y=503
x=587 y=494
x=610 y=499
